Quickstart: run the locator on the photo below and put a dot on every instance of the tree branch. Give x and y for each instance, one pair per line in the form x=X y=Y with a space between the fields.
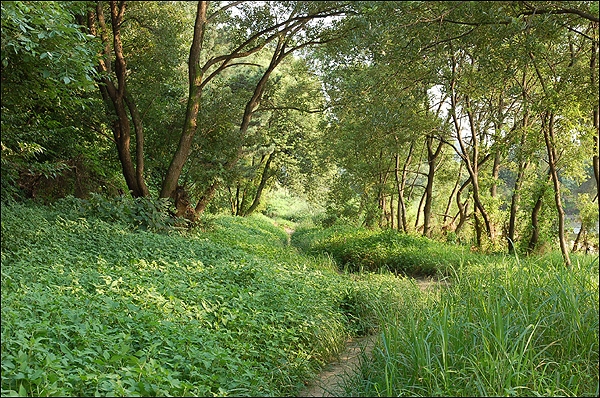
x=214 y=14
x=535 y=11
x=294 y=108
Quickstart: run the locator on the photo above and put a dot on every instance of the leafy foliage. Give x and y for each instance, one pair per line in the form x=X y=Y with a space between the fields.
x=142 y=213
x=48 y=109
x=93 y=308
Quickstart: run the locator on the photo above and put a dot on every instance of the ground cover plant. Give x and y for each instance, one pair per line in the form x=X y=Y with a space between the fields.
x=503 y=328
x=91 y=307
x=363 y=249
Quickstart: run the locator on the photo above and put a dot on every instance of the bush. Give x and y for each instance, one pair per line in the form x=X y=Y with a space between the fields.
x=147 y=214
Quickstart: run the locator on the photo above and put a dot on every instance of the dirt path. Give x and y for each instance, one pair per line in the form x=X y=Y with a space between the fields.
x=327 y=383
x=289 y=233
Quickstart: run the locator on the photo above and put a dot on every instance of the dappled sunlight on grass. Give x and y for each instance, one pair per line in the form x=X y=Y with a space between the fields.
x=90 y=307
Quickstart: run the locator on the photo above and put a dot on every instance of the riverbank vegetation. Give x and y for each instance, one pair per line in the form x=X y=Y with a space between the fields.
x=229 y=308
x=208 y=198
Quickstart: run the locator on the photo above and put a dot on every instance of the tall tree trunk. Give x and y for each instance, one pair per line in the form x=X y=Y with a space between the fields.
x=471 y=164
x=190 y=125
x=463 y=208
x=139 y=144
x=514 y=206
x=400 y=184
x=431 y=158
x=474 y=169
x=278 y=55
x=447 y=211
x=578 y=238
x=200 y=76
x=266 y=174
x=118 y=96
x=523 y=164
x=391 y=211
x=548 y=127
x=596 y=111
x=419 y=209
x=495 y=174
x=535 y=232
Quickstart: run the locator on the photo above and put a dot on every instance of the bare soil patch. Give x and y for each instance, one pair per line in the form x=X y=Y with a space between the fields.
x=328 y=382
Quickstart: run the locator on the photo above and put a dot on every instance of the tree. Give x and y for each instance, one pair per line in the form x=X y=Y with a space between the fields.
x=288 y=27
x=47 y=80
x=284 y=33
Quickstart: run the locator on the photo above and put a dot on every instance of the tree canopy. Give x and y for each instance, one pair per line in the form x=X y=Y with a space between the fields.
x=474 y=122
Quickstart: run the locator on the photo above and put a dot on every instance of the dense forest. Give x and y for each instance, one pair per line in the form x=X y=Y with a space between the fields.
x=473 y=122
x=187 y=186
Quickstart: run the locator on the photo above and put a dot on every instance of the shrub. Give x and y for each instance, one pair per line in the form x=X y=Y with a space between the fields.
x=145 y=213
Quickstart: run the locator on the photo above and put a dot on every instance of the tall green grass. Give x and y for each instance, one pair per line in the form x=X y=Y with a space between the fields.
x=502 y=328
x=362 y=249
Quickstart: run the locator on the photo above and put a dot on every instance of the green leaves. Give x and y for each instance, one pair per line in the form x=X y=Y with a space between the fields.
x=91 y=307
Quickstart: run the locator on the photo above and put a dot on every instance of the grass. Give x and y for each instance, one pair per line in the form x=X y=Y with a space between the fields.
x=362 y=249
x=96 y=307
x=506 y=328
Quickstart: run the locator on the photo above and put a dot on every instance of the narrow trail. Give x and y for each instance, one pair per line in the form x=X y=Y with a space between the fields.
x=289 y=231
x=328 y=382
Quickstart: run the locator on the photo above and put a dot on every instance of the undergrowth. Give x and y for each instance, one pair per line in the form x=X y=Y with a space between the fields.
x=512 y=328
x=361 y=249
x=93 y=307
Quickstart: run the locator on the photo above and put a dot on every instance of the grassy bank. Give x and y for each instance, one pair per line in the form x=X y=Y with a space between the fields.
x=97 y=307
x=362 y=249
x=510 y=328
x=502 y=326
x=91 y=307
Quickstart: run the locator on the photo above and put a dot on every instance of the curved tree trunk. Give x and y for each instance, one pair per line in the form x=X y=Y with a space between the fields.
x=514 y=206
x=548 y=127
x=473 y=169
x=535 y=233
x=266 y=174
x=119 y=97
x=523 y=164
x=400 y=184
x=190 y=125
x=471 y=159
x=450 y=226
x=431 y=162
x=139 y=144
